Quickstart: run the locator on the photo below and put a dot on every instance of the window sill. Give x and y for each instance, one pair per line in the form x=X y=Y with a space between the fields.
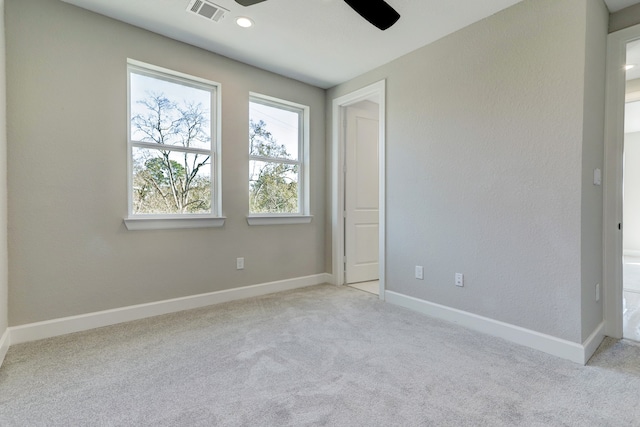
x=173 y=223
x=279 y=219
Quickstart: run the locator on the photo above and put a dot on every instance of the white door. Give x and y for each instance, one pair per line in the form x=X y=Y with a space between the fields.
x=361 y=193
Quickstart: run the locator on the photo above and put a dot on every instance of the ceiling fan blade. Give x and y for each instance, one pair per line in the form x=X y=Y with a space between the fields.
x=378 y=12
x=249 y=2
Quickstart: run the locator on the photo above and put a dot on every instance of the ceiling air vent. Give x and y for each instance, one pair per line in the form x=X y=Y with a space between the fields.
x=207 y=10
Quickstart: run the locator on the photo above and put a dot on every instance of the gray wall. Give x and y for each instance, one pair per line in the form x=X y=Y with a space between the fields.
x=67 y=172
x=486 y=133
x=4 y=309
x=597 y=16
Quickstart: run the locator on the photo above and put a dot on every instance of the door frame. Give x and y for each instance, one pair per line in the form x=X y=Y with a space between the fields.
x=376 y=93
x=613 y=178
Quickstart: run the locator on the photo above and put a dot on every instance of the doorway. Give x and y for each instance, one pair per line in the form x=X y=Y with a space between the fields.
x=361 y=196
x=358 y=189
x=631 y=197
x=622 y=186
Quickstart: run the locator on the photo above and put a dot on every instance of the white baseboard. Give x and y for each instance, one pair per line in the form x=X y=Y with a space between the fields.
x=4 y=345
x=592 y=343
x=579 y=353
x=331 y=279
x=83 y=322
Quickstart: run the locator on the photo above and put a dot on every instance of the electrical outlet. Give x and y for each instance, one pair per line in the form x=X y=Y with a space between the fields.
x=597 y=177
x=419 y=272
x=598 y=292
x=239 y=263
x=459 y=279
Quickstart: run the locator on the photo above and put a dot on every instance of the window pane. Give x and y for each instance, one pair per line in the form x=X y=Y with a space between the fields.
x=273 y=132
x=169 y=113
x=170 y=182
x=273 y=187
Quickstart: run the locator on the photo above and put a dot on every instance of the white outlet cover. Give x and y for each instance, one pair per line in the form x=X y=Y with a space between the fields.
x=419 y=272
x=460 y=279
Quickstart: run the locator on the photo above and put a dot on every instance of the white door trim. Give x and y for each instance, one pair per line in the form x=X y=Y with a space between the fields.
x=613 y=151
x=374 y=92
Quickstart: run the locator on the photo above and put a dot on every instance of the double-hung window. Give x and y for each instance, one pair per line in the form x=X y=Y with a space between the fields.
x=278 y=161
x=173 y=149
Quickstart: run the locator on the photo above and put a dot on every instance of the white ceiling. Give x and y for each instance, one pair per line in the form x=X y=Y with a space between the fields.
x=321 y=42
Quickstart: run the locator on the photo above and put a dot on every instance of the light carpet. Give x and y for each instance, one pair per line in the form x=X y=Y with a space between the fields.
x=318 y=356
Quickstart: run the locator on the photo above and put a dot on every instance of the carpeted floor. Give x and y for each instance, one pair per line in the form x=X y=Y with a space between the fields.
x=317 y=356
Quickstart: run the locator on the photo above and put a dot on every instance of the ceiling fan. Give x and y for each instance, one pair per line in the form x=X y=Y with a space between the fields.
x=378 y=12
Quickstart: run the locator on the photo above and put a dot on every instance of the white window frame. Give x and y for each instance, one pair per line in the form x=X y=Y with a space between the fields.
x=168 y=221
x=303 y=215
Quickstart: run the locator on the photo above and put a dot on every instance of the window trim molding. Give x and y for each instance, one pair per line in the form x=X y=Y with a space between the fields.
x=304 y=210
x=163 y=221
x=158 y=222
x=282 y=219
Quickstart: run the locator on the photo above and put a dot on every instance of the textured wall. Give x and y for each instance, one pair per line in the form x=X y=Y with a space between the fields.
x=485 y=169
x=3 y=181
x=70 y=252
x=597 y=16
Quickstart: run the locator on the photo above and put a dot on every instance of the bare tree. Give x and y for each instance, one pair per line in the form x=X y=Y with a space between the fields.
x=273 y=185
x=168 y=179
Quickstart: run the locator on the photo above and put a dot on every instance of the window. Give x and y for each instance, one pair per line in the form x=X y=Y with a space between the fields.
x=173 y=149
x=278 y=169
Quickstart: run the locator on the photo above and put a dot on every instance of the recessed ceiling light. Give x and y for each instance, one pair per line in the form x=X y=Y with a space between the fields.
x=244 y=22
x=628 y=66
